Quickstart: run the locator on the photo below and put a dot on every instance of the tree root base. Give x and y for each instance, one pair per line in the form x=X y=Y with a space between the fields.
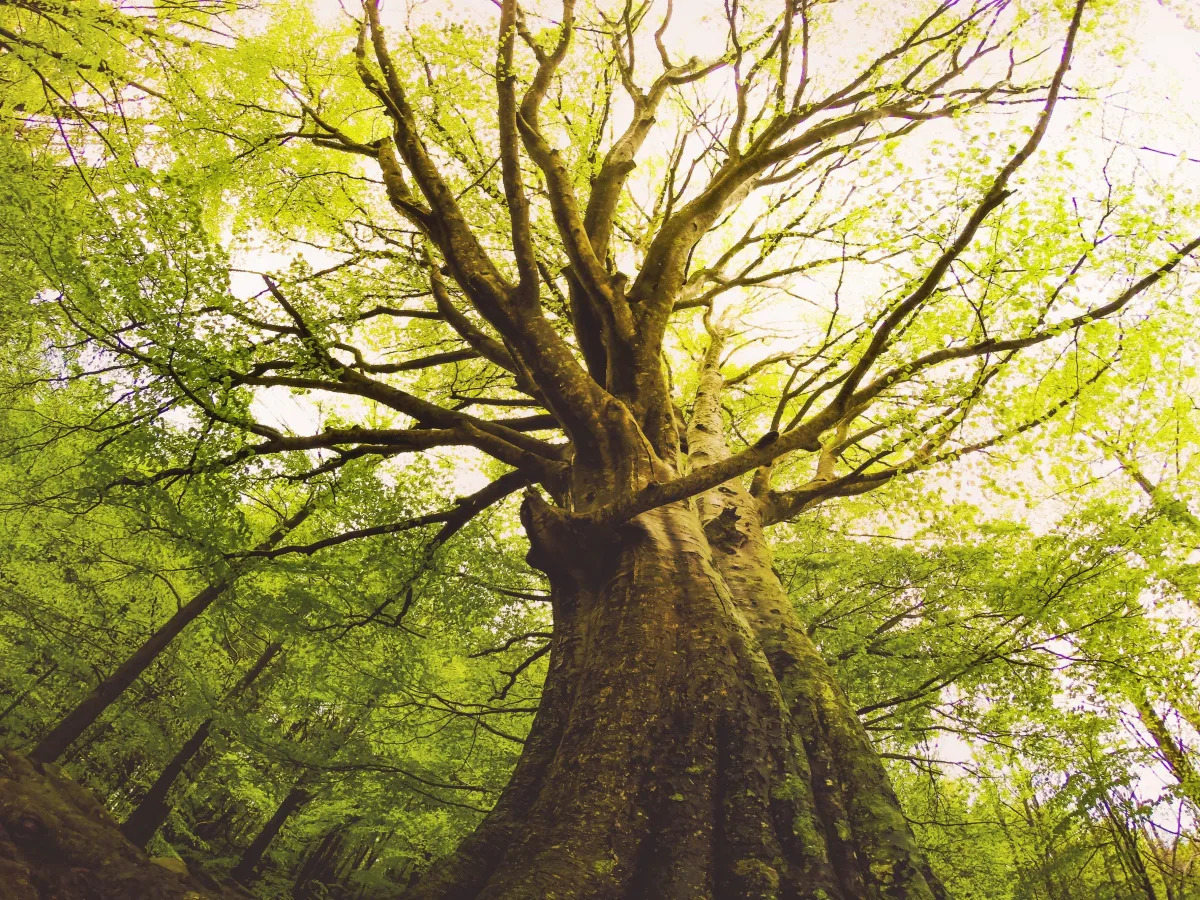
x=57 y=842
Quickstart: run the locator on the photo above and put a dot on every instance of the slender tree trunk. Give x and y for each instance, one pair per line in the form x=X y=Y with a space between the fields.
x=300 y=794
x=1017 y=850
x=690 y=742
x=154 y=807
x=68 y=730
x=319 y=864
x=246 y=869
x=327 y=864
x=1043 y=841
x=1170 y=750
x=1163 y=860
x=74 y=723
x=1128 y=849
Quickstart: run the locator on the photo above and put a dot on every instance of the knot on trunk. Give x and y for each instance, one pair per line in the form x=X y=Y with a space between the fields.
x=723 y=532
x=560 y=544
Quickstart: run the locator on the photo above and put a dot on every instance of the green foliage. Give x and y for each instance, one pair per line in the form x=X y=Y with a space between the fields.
x=192 y=275
x=1001 y=670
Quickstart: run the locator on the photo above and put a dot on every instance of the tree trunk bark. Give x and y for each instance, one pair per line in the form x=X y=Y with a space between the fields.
x=68 y=730
x=689 y=744
x=153 y=809
x=246 y=869
x=869 y=843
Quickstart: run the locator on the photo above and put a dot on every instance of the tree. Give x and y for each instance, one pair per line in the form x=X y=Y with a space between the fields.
x=152 y=810
x=690 y=739
x=66 y=732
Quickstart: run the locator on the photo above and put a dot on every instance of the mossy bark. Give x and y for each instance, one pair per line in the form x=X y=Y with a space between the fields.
x=58 y=843
x=868 y=843
x=690 y=743
x=868 y=846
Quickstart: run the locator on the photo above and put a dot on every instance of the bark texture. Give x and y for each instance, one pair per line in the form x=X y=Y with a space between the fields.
x=57 y=843
x=869 y=844
x=691 y=742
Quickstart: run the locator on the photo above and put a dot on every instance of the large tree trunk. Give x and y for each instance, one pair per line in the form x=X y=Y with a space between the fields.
x=868 y=842
x=690 y=743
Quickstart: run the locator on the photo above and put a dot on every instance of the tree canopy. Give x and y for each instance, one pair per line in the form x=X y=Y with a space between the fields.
x=734 y=449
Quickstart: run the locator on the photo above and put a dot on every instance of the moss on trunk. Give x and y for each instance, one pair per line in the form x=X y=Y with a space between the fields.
x=684 y=749
x=58 y=843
